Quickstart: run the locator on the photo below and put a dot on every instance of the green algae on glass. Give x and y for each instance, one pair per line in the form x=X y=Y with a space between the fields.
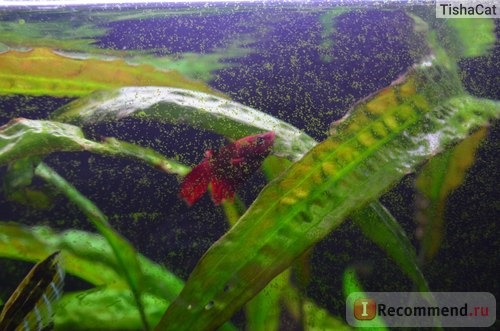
x=173 y=105
x=328 y=28
x=458 y=38
x=195 y=65
x=67 y=29
x=477 y=36
x=78 y=32
x=435 y=182
x=60 y=34
x=381 y=140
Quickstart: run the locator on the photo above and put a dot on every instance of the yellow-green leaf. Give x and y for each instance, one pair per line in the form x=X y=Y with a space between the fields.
x=440 y=176
x=41 y=71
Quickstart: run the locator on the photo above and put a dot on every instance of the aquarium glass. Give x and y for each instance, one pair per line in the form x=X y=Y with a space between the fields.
x=246 y=165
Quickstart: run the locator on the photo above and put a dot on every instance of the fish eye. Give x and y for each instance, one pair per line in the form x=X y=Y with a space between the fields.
x=260 y=141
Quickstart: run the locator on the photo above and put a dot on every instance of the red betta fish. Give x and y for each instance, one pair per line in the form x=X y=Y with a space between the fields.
x=226 y=168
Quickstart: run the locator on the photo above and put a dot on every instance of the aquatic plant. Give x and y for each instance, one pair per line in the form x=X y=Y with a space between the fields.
x=24 y=72
x=313 y=187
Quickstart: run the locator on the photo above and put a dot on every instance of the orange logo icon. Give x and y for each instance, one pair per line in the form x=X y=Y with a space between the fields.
x=365 y=309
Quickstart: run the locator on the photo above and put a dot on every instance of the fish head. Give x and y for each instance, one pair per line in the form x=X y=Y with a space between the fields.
x=259 y=144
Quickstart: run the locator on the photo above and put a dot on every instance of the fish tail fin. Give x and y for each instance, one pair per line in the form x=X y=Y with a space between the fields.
x=31 y=305
x=221 y=190
x=195 y=184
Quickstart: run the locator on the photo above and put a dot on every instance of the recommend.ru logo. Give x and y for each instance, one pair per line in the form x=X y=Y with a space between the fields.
x=417 y=309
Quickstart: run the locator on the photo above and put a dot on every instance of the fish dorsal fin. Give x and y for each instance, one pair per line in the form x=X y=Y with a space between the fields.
x=30 y=307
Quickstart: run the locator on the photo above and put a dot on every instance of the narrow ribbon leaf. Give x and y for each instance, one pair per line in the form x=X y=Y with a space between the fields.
x=173 y=105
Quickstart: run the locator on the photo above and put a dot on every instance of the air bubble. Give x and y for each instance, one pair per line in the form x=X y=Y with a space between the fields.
x=209 y=305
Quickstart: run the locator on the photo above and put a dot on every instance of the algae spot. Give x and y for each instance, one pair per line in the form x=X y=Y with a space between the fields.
x=407 y=89
x=317 y=178
x=366 y=139
x=379 y=130
x=347 y=155
x=421 y=103
x=301 y=192
x=385 y=100
x=287 y=184
x=328 y=168
x=288 y=201
x=404 y=112
x=390 y=121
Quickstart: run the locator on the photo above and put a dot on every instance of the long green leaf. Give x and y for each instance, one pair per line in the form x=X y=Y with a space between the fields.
x=379 y=226
x=350 y=284
x=86 y=255
x=437 y=179
x=22 y=137
x=93 y=264
x=105 y=309
x=381 y=140
x=41 y=71
x=125 y=254
x=173 y=105
x=109 y=309
x=314 y=318
x=264 y=310
x=89 y=257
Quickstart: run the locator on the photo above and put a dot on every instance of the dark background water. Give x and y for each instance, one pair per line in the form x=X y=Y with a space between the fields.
x=294 y=71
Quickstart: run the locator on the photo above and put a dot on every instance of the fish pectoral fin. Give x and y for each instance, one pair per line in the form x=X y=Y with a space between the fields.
x=221 y=190
x=195 y=183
